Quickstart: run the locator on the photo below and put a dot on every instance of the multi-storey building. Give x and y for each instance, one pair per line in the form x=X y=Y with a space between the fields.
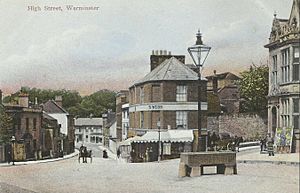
x=284 y=73
x=125 y=120
x=169 y=94
x=166 y=99
x=224 y=85
x=122 y=121
x=55 y=109
x=27 y=129
x=89 y=130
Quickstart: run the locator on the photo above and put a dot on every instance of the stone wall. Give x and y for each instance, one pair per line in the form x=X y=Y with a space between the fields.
x=248 y=126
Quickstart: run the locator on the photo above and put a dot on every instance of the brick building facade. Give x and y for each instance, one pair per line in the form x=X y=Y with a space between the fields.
x=169 y=94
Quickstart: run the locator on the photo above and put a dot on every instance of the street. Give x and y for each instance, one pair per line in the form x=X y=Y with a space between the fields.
x=109 y=175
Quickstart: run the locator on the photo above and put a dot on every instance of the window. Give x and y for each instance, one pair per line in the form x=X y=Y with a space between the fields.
x=296 y=113
x=285 y=68
x=141 y=119
x=34 y=123
x=296 y=65
x=142 y=95
x=27 y=124
x=181 y=119
x=285 y=112
x=79 y=130
x=156 y=93
x=274 y=69
x=296 y=105
x=296 y=54
x=181 y=93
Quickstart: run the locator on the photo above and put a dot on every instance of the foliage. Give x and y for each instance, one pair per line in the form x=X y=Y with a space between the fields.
x=254 y=89
x=5 y=126
x=95 y=104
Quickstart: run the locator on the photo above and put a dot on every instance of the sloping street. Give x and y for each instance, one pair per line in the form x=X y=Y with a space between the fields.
x=110 y=175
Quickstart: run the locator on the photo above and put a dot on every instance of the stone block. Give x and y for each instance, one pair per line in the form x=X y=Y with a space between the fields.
x=182 y=170
x=195 y=172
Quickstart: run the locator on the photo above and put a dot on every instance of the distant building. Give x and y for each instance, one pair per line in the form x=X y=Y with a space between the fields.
x=109 y=129
x=224 y=85
x=125 y=121
x=51 y=137
x=89 y=130
x=66 y=121
x=284 y=74
x=122 y=99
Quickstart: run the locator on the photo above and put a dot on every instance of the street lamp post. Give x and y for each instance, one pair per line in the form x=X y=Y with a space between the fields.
x=159 y=144
x=199 y=53
x=13 y=140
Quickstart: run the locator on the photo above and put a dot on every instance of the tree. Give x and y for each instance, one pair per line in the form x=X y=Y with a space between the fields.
x=95 y=104
x=254 y=86
x=98 y=102
x=5 y=126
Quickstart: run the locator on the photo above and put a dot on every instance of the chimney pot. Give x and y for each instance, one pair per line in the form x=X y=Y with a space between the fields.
x=58 y=100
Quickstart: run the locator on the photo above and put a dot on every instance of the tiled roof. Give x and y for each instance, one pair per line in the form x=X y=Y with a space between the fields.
x=88 y=121
x=52 y=107
x=170 y=69
x=225 y=75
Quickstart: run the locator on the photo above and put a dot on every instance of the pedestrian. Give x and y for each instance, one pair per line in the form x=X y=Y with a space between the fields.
x=270 y=146
x=105 y=154
x=150 y=154
x=147 y=155
x=237 y=143
x=261 y=145
x=132 y=155
x=9 y=158
x=214 y=139
x=118 y=153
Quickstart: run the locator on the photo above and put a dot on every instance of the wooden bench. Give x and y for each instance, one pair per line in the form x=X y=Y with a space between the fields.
x=192 y=163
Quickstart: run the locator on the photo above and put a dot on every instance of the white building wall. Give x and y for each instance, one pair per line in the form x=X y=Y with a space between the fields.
x=113 y=130
x=63 y=120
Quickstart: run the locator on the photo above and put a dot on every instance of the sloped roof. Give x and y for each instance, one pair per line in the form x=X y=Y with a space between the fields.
x=46 y=116
x=173 y=135
x=170 y=69
x=52 y=107
x=96 y=121
x=225 y=75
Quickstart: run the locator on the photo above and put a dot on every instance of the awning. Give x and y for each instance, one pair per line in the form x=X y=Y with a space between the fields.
x=166 y=136
x=128 y=141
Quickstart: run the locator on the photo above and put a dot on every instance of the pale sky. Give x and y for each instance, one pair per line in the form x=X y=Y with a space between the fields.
x=110 y=48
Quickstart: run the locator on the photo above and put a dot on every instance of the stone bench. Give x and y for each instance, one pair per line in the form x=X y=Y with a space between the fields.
x=192 y=163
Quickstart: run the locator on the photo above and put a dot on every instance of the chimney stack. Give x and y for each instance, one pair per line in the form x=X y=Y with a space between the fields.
x=23 y=99
x=159 y=56
x=58 y=100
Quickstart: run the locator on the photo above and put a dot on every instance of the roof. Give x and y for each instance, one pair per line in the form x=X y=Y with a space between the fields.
x=225 y=75
x=170 y=69
x=94 y=121
x=46 y=116
x=167 y=136
x=128 y=141
x=52 y=107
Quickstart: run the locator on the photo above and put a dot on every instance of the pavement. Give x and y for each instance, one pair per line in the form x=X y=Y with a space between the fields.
x=248 y=155
x=41 y=161
x=253 y=155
